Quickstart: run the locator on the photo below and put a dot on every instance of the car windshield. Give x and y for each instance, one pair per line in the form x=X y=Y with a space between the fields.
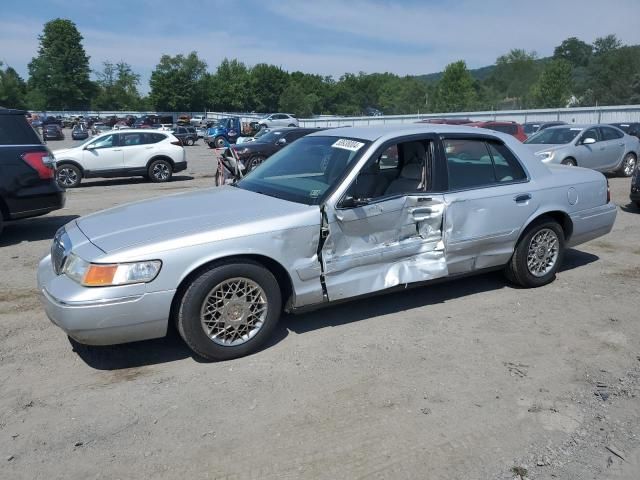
x=554 y=136
x=305 y=171
x=225 y=123
x=261 y=133
x=270 y=137
x=530 y=128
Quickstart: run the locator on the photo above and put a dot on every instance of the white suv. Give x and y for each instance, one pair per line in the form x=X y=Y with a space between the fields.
x=278 y=120
x=153 y=154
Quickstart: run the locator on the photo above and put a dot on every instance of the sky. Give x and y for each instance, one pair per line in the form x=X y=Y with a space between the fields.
x=328 y=37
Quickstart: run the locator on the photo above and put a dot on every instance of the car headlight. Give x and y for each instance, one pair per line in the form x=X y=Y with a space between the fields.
x=544 y=155
x=242 y=151
x=111 y=274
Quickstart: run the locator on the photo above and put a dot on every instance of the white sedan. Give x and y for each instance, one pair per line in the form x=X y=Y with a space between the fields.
x=155 y=155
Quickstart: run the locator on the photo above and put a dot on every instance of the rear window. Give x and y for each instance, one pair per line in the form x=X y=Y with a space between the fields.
x=510 y=129
x=15 y=130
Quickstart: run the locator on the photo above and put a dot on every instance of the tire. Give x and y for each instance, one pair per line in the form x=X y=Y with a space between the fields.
x=628 y=165
x=291 y=125
x=219 y=279
x=212 y=145
x=1 y=224
x=219 y=142
x=68 y=176
x=160 y=171
x=518 y=270
x=255 y=161
x=570 y=162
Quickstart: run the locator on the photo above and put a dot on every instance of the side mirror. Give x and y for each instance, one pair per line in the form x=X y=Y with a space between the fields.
x=353 y=202
x=281 y=141
x=89 y=147
x=588 y=141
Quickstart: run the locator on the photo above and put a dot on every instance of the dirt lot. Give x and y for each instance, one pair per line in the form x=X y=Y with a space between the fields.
x=472 y=379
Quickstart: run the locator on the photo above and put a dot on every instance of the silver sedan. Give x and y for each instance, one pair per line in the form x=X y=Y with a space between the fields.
x=336 y=215
x=601 y=147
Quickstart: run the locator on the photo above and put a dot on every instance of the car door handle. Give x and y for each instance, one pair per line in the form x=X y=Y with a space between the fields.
x=420 y=214
x=116 y=150
x=621 y=144
x=525 y=197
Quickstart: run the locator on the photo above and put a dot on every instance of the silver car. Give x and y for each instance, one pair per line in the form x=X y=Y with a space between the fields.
x=278 y=120
x=335 y=215
x=601 y=147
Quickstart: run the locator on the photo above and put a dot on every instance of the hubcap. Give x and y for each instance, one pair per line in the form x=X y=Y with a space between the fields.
x=161 y=171
x=629 y=165
x=257 y=161
x=67 y=177
x=543 y=252
x=234 y=311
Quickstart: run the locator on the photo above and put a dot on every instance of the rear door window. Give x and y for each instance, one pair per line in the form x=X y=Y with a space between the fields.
x=15 y=130
x=610 y=133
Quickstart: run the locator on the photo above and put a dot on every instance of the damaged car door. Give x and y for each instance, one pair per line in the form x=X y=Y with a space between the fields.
x=387 y=229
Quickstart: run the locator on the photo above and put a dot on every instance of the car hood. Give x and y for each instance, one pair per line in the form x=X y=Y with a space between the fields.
x=547 y=147
x=218 y=212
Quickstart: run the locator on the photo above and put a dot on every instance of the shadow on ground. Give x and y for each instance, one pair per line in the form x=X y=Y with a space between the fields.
x=111 y=182
x=173 y=348
x=33 y=229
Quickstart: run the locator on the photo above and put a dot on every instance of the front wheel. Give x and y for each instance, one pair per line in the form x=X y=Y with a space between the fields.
x=219 y=142
x=538 y=254
x=160 y=171
x=570 y=162
x=68 y=176
x=628 y=165
x=255 y=161
x=229 y=310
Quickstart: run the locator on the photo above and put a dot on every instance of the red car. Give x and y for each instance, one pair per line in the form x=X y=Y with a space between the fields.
x=512 y=128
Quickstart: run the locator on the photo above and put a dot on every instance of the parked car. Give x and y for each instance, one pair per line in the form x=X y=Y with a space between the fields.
x=52 y=131
x=27 y=184
x=79 y=133
x=201 y=132
x=278 y=120
x=258 y=134
x=123 y=153
x=254 y=153
x=600 y=147
x=224 y=131
x=533 y=127
x=372 y=112
x=198 y=120
x=630 y=128
x=321 y=221
x=99 y=127
x=511 y=128
x=187 y=135
x=635 y=186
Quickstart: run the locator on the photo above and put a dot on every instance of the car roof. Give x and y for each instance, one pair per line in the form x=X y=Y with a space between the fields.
x=492 y=122
x=11 y=111
x=373 y=133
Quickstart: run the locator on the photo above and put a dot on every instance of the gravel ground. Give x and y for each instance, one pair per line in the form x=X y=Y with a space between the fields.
x=468 y=379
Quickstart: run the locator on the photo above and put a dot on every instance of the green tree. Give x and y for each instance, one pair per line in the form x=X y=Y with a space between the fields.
x=230 y=87
x=267 y=82
x=12 y=88
x=604 y=45
x=455 y=92
x=514 y=74
x=610 y=76
x=59 y=75
x=179 y=83
x=295 y=100
x=118 y=87
x=574 y=51
x=554 y=87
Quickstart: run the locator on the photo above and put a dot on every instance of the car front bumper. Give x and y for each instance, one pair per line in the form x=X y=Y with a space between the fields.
x=103 y=315
x=179 y=166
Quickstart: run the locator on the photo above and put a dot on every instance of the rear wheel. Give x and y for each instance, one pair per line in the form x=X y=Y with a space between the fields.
x=628 y=165
x=538 y=254
x=571 y=162
x=160 y=171
x=68 y=176
x=230 y=310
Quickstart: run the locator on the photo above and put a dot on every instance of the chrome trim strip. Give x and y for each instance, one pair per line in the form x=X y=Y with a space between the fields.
x=91 y=303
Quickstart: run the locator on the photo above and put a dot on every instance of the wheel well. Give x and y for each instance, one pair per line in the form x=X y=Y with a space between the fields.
x=571 y=158
x=561 y=218
x=278 y=271
x=160 y=157
x=70 y=162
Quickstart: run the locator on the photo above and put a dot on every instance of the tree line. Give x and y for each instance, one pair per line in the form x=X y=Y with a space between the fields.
x=605 y=72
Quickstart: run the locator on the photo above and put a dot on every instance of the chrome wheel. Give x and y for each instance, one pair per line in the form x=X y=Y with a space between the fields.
x=67 y=177
x=542 y=253
x=255 y=161
x=161 y=171
x=628 y=165
x=234 y=311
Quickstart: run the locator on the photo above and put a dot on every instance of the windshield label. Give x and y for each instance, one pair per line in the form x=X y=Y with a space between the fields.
x=348 y=144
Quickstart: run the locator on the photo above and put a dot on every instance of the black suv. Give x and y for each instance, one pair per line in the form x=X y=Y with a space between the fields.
x=187 y=135
x=635 y=186
x=27 y=176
